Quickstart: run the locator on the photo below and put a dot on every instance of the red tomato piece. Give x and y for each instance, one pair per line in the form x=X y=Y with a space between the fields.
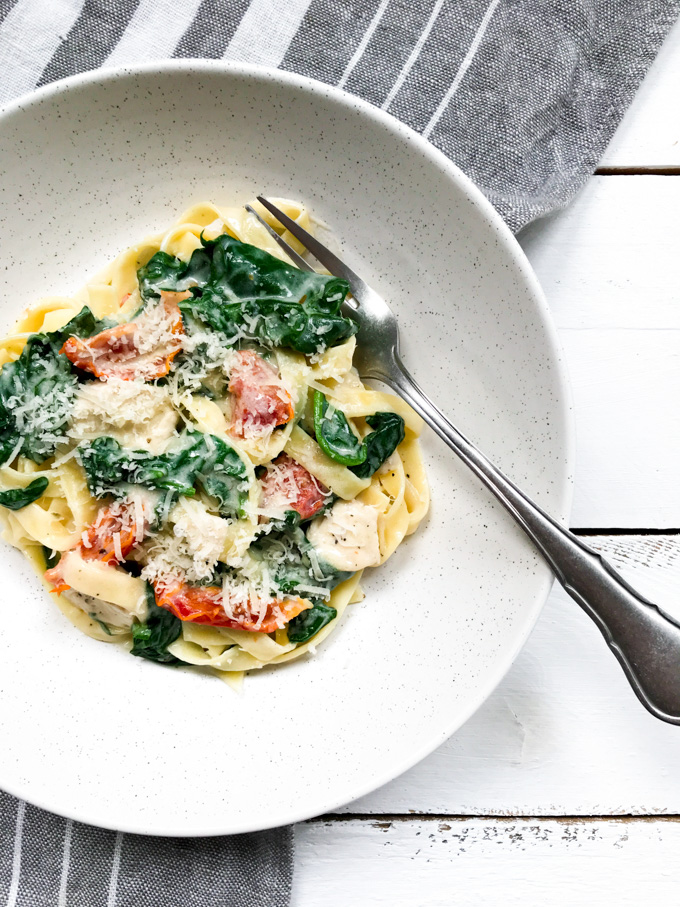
x=261 y=400
x=143 y=348
x=99 y=540
x=205 y=605
x=289 y=486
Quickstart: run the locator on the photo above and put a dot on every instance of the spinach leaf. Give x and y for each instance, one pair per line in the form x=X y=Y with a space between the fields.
x=291 y=559
x=16 y=498
x=224 y=477
x=151 y=639
x=381 y=443
x=52 y=558
x=205 y=461
x=97 y=620
x=110 y=468
x=308 y=623
x=37 y=392
x=338 y=441
x=165 y=272
x=298 y=326
x=243 y=292
x=334 y=436
x=84 y=324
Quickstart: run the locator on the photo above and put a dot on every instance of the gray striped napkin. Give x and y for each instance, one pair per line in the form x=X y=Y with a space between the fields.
x=523 y=95
x=47 y=861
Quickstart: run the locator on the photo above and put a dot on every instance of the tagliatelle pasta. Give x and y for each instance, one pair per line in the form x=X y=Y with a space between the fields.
x=189 y=458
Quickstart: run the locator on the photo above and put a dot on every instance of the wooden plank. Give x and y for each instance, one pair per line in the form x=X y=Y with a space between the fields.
x=626 y=388
x=649 y=134
x=563 y=734
x=608 y=266
x=610 y=260
x=467 y=862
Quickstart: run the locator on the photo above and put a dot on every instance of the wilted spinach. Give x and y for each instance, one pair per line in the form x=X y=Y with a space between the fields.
x=165 y=272
x=16 y=498
x=195 y=460
x=52 y=558
x=105 y=627
x=37 y=391
x=338 y=441
x=243 y=292
x=152 y=638
x=381 y=443
x=334 y=435
x=286 y=551
x=307 y=624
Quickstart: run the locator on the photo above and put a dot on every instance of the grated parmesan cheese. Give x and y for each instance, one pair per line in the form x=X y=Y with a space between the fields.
x=205 y=353
x=16 y=451
x=137 y=415
x=117 y=547
x=191 y=551
x=281 y=490
x=42 y=417
x=138 y=511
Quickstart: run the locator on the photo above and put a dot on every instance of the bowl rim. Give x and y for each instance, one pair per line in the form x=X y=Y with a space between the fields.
x=564 y=400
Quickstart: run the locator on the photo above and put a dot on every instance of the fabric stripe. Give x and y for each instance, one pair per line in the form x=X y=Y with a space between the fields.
x=16 y=854
x=92 y=38
x=115 y=869
x=212 y=29
x=41 y=858
x=328 y=37
x=255 y=41
x=389 y=49
x=5 y=7
x=89 y=873
x=154 y=31
x=363 y=44
x=432 y=72
x=464 y=66
x=23 y=61
x=65 y=863
x=415 y=53
x=8 y=806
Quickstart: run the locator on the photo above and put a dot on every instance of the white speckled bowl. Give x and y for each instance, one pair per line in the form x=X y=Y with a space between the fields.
x=90 y=165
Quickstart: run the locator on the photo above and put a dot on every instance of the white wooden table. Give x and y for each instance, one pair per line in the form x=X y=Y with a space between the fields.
x=562 y=789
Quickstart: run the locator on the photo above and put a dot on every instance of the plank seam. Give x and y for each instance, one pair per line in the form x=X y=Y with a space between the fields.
x=644 y=170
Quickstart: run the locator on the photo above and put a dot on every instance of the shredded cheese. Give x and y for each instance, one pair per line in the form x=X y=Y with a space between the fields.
x=136 y=414
x=191 y=551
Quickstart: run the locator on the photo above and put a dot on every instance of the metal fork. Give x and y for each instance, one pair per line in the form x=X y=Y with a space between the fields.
x=644 y=639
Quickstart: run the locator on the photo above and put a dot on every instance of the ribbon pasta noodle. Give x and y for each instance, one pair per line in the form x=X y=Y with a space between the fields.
x=188 y=457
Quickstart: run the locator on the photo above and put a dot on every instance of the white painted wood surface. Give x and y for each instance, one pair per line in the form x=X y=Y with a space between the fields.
x=482 y=863
x=608 y=266
x=563 y=735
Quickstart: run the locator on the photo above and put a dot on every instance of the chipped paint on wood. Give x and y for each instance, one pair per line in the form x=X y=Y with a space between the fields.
x=418 y=862
x=652 y=551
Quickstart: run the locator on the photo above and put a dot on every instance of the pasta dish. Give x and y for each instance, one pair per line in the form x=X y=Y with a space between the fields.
x=189 y=458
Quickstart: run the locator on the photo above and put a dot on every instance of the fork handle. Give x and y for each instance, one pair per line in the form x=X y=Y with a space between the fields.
x=644 y=639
